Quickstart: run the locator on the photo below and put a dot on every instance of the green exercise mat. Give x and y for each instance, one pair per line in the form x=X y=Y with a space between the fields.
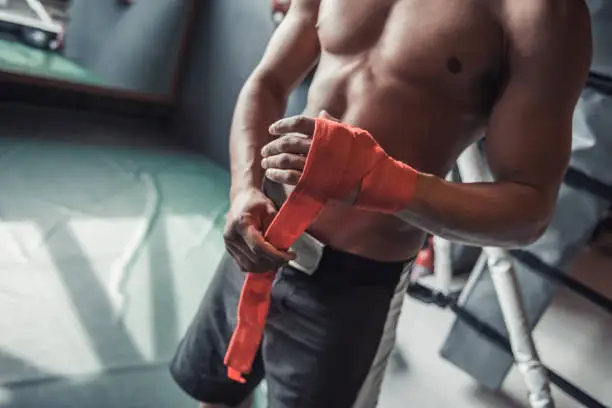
x=19 y=58
x=105 y=254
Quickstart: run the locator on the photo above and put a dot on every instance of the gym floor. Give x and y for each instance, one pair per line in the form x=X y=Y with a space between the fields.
x=108 y=239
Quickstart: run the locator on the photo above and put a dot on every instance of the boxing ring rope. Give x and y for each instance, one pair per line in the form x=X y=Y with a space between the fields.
x=472 y=169
x=520 y=345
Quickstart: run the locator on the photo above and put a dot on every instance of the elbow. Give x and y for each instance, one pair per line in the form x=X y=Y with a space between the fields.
x=532 y=230
x=266 y=82
x=535 y=222
x=519 y=238
x=532 y=233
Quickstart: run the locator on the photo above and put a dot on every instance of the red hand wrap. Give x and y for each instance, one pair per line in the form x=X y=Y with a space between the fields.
x=340 y=158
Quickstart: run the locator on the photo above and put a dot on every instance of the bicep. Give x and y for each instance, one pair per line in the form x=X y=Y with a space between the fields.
x=528 y=140
x=529 y=136
x=293 y=48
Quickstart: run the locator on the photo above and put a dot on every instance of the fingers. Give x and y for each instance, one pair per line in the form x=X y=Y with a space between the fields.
x=250 y=262
x=264 y=255
x=252 y=252
x=289 y=177
x=284 y=161
x=292 y=144
x=297 y=124
x=284 y=158
x=262 y=248
x=242 y=258
x=325 y=115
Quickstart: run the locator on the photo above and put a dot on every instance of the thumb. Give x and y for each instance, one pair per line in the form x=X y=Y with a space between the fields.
x=323 y=114
x=271 y=212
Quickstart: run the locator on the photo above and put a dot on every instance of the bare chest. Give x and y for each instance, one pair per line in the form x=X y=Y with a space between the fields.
x=454 y=45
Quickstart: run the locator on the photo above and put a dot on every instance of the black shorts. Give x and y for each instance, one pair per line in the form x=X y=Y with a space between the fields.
x=322 y=343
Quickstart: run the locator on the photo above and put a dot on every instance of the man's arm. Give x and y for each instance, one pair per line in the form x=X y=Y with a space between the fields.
x=528 y=140
x=290 y=55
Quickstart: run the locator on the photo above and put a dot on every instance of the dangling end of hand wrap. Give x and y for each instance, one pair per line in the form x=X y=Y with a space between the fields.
x=235 y=375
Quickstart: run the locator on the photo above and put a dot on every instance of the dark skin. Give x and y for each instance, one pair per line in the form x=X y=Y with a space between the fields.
x=426 y=79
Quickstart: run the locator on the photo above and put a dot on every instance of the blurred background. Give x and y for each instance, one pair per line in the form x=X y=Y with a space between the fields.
x=122 y=44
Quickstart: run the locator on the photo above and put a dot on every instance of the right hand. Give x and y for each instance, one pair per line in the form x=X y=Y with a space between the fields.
x=250 y=214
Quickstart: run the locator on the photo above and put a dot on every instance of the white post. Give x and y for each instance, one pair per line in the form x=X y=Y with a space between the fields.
x=40 y=11
x=473 y=169
x=443 y=265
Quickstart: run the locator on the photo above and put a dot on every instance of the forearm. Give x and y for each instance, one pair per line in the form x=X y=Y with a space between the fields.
x=484 y=214
x=259 y=105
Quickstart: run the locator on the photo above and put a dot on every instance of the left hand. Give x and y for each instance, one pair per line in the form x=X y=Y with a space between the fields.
x=284 y=158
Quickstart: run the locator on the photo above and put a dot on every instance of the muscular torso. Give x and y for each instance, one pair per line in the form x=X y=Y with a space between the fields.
x=421 y=77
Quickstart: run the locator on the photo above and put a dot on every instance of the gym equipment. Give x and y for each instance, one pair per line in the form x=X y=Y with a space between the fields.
x=601 y=23
x=16 y=57
x=497 y=338
x=473 y=343
x=472 y=169
x=583 y=201
x=31 y=23
x=519 y=347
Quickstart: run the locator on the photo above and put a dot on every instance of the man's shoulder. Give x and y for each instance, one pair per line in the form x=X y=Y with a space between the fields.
x=306 y=5
x=525 y=18
x=547 y=38
x=549 y=47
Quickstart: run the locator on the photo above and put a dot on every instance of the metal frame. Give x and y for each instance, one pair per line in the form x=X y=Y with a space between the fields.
x=44 y=21
x=72 y=89
x=473 y=169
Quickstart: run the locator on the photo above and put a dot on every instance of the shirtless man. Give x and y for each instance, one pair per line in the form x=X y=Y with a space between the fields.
x=425 y=79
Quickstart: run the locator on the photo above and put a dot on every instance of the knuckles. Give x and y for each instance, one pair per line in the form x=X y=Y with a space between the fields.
x=285 y=144
x=295 y=177
x=242 y=221
x=299 y=121
x=291 y=177
x=285 y=160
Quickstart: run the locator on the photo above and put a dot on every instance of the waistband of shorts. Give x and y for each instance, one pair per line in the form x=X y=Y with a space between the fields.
x=347 y=268
x=357 y=262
